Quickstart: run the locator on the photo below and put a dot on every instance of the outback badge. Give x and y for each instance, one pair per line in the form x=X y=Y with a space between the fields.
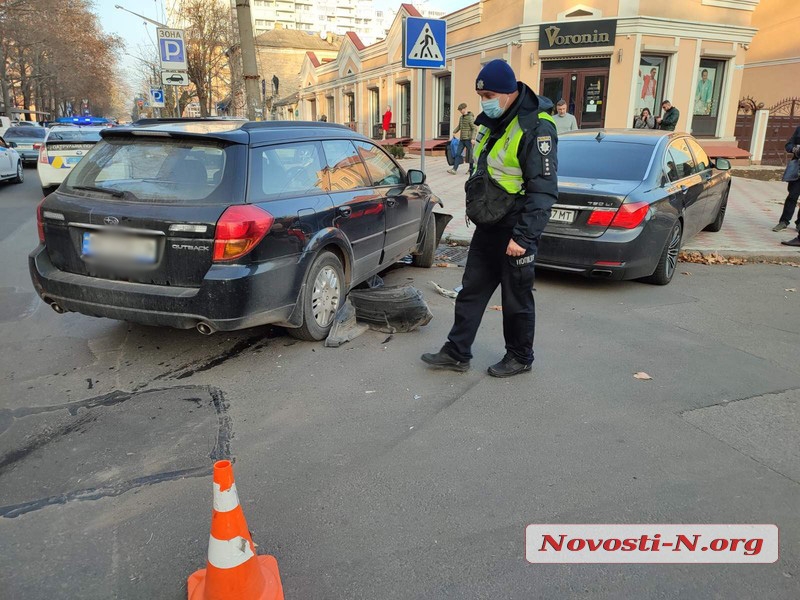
x=545 y=144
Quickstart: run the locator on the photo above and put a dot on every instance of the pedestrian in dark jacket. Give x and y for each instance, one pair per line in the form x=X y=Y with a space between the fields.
x=670 y=118
x=793 y=148
x=467 y=132
x=517 y=147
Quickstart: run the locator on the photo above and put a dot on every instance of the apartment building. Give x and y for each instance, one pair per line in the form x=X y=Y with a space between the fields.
x=320 y=16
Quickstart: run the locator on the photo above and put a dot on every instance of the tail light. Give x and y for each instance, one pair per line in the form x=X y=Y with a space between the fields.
x=40 y=221
x=239 y=230
x=627 y=217
x=37 y=146
x=43 y=154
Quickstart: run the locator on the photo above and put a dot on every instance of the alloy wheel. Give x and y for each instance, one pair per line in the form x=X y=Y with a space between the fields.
x=325 y=296
x=673 y=250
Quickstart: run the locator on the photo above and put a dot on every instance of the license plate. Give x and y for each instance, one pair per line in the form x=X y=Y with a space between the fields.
x=120 y=247
x=25 y=146
x=560 y=215
x=72 y=160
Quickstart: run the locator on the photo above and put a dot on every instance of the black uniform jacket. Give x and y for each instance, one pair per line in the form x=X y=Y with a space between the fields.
x=538 y=160
x=793 y=141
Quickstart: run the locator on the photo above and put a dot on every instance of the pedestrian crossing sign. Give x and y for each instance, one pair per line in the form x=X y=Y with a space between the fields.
x=424 y=43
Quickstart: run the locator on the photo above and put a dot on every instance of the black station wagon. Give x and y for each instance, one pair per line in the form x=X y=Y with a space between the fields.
x=226 y=224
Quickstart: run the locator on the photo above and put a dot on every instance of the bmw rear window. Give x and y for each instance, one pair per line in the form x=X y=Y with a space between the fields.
x=158 y=170
x=603 y=160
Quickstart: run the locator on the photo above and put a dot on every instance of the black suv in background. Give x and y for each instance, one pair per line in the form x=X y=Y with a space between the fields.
x=226 y=224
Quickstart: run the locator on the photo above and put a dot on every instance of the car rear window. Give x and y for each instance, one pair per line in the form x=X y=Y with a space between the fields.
x=24 y=132
x=155 y=170
x=603 y=160
x=73 y=135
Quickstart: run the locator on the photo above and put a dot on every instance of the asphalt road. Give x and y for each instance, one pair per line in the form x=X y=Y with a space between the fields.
x=369 y=476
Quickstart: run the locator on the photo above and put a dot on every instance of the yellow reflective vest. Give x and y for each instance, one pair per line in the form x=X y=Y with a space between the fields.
x=502 y=161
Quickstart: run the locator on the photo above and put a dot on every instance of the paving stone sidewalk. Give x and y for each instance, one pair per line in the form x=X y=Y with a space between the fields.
x=753 y=209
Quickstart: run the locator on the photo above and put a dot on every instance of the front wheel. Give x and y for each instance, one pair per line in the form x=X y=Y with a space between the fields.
x=716 y=224
x=324 y=294
x=668 y=261
x=428 y=248
x=20 y=174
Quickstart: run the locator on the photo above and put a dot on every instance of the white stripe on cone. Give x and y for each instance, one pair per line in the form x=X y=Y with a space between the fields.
x=225 y=501
x=227 y=554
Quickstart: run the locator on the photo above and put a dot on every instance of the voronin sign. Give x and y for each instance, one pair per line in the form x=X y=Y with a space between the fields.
x=581 y=34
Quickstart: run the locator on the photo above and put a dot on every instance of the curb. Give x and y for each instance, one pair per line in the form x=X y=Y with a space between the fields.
x=751 y=255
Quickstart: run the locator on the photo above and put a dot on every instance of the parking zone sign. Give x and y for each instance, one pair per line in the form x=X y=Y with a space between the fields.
x=172 y=49
x=156 y=97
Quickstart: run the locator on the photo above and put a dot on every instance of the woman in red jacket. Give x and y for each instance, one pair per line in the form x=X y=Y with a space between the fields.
x=387 y=119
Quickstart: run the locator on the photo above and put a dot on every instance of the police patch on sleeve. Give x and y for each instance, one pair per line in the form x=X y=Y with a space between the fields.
x=545 y=144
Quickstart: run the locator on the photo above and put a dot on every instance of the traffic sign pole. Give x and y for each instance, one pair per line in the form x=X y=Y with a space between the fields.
x=422 y=124
x=424 y=47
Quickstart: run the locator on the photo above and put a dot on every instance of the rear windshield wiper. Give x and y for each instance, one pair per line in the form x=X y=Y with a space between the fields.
x=94 y=188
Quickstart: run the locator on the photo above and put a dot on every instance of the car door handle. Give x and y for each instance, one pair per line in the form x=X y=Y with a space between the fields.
x=345 y=211
x=391 y=202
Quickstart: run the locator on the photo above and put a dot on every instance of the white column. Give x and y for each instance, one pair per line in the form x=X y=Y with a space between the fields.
x=759 y=135
x=692 y=86
x=637 y=59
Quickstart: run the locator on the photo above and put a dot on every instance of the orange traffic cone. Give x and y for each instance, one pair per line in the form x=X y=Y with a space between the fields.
x=233 y=571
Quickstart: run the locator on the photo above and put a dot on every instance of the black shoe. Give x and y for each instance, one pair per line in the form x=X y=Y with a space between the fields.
x=792 y=242
x=508 y=367
x=780 y=226
x=442 y=360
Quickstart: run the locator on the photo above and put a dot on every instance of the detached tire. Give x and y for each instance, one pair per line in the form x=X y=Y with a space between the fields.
x=668 y=261
x=428 y=249
x=716 y=224
x=20 y=175
x=324 y=294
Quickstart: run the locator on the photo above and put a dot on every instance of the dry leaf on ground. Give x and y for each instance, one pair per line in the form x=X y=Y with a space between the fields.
x=790 y=290
x=712 y=258
x=445 y=265
x=495 y=307
x=642 y=375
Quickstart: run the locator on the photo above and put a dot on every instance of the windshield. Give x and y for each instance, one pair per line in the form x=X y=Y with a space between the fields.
x=74 y=135
x=603 y=160
x=24 y=132
x=155 y=169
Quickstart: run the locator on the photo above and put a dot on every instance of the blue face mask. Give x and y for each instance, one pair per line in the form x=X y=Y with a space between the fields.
x=492 y=108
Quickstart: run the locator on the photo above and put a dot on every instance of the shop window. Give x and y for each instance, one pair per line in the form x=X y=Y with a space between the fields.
x=375 y=112
x=405 y=110
x=331 y=112
x=707 y=96
x=443 y=106
x=351 y=109
x=650 y=85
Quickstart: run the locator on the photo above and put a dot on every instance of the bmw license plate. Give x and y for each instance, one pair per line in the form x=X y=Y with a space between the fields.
x=560 y=215
x=119 y=247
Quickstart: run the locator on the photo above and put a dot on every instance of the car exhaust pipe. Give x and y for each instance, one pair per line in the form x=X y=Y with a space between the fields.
x=205 y=328
x=603 y=273
x=57 y=307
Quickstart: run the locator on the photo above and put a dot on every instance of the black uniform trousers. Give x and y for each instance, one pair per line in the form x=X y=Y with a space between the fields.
x=487 y=267
x=791 y=203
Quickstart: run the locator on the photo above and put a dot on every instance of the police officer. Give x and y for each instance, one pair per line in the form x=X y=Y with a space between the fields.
x=517 y=138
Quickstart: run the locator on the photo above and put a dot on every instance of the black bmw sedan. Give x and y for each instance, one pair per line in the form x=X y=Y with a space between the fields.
x=627 y=201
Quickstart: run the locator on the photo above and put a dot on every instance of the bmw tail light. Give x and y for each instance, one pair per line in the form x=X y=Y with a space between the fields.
x=40 y=221
x=601 y=218
x=239 y=230
x=630 y=215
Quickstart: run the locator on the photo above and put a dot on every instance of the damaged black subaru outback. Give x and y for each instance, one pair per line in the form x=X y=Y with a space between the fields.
x=226 y=224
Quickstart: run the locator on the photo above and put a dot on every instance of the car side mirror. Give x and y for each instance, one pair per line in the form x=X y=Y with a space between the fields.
x=415 y=177
x=12 y=144
x=723 y=164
